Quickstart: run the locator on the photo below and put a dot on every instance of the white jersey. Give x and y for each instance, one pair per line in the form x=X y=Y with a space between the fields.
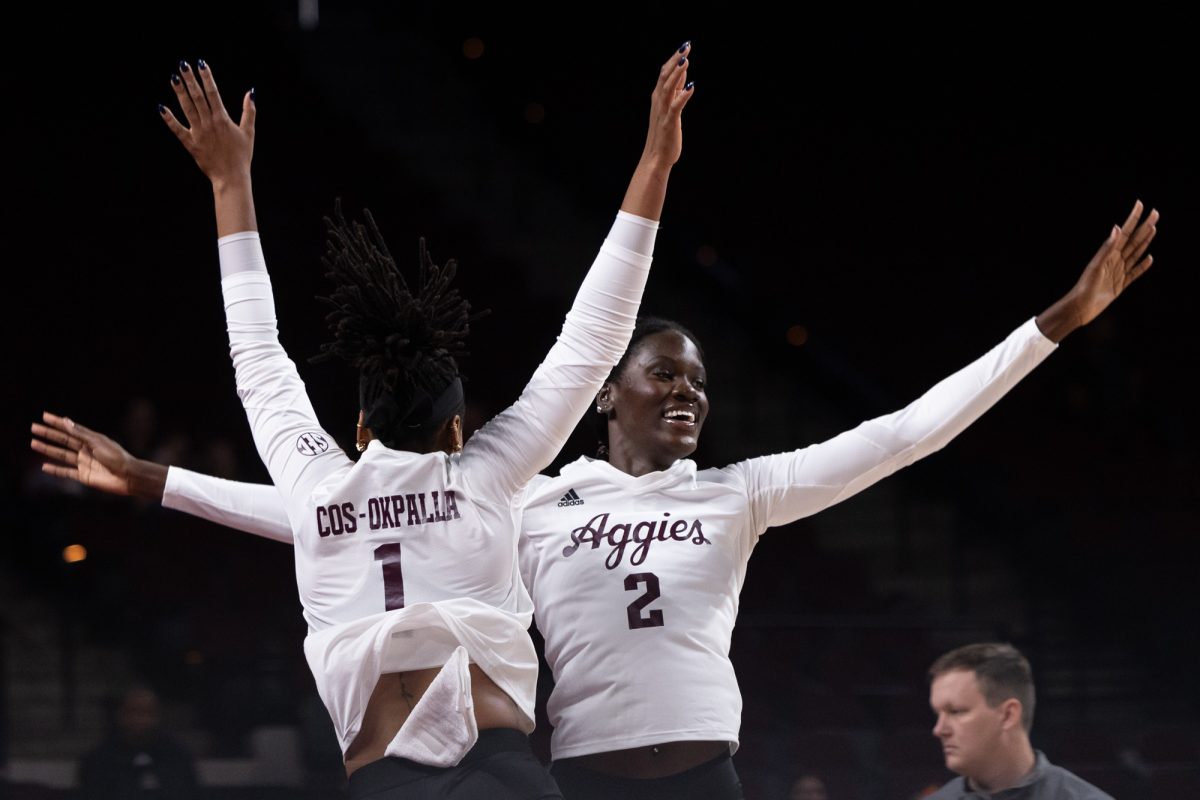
x=635 y=580
x=403 y=558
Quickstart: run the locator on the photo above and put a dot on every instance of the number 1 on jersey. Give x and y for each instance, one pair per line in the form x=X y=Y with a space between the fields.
x=652 y=593
x=393 y=578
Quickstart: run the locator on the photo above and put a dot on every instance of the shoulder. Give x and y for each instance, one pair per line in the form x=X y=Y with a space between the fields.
x=1069 y=786
x=954 y=790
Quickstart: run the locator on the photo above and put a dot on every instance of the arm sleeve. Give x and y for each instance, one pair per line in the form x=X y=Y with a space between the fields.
x=523 y=439
x=250 y=507
x=295 y=449
x=785 y=487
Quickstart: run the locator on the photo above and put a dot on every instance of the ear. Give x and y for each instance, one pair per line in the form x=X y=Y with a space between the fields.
x=456 y=434
x=363 y=435
x=1011 y=712
x=604 y=399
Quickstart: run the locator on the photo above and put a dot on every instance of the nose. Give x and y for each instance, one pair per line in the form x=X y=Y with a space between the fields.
x=939 y=726
x=685 y=390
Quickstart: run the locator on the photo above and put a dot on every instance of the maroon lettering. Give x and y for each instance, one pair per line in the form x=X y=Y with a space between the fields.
x=587 y=533
x=451 y=506
x=336 y=520
x=349 y=518
x=642 y=533
x=634 y=610
x=385 y=513
x=397 y=507
x=643 y=539
x=438 y=516
x=413 y=519
x=678 y=527
x=393 y=577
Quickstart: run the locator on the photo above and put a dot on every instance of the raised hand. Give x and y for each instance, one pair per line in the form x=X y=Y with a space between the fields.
x=1121 y=260
x=222 y=148
x=81 y=454
x=672 y=92
x=664 y=139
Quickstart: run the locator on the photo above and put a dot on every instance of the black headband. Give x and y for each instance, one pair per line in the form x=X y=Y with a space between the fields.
x=387 y=417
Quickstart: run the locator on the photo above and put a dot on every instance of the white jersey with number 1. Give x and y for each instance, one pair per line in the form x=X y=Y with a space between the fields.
x=404 y=558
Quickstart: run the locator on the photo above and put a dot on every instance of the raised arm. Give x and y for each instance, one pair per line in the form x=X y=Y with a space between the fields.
x=788 y=486
x=526 y=437
x=77 y=453
x=290 y=441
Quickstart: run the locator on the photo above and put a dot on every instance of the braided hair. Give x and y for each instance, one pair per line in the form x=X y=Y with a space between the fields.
x=405 y=342
x=645 y=326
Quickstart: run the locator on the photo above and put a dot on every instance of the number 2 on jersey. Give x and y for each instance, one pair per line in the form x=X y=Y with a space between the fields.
x=393 y=578
x=634 y=610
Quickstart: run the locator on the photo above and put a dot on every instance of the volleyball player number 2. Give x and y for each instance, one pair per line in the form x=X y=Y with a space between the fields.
x=653 y=618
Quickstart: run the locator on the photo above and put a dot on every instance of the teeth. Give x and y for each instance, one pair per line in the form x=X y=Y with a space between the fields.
x=687 y=416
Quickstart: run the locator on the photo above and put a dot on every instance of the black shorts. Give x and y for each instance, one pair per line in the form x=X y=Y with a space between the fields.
x=501 y=766
x=712 y=780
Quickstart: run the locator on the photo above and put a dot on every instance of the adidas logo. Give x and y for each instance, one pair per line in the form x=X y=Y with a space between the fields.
x=570 y=499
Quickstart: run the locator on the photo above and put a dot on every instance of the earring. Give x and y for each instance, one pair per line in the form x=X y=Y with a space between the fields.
x=360 y=444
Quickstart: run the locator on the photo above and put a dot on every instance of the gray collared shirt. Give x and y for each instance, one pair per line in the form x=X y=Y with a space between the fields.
x=1045 y=782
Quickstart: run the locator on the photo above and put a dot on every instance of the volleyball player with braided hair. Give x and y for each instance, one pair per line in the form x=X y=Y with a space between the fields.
x=405 y=344
x=406 y=560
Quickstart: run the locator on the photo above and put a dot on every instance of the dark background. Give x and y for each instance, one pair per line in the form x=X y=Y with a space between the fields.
x=908 y=189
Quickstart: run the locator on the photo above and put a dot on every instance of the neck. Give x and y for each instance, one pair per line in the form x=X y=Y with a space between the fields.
x=1009 y=771
x=633 y=463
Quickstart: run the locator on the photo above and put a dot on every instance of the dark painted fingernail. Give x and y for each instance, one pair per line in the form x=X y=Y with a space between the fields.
x=174 y=79
x=200 y=63
x=183 y=66
x=690 y=86
x=683 y=61
x=162 y=109
x=684 y=46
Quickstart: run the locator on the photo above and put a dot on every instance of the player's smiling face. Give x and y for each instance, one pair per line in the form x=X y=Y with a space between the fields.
x=657 y=404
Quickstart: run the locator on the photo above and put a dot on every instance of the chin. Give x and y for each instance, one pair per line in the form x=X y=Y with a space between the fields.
x=683 y=449
x=954 y=763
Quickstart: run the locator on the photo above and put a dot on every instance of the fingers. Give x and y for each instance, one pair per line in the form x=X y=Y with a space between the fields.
x=677 y=61
x=200 y=111
x=179 y=85
x=1136 y=246
x=249 y=111
x=61 y=472
x=59 y=454
x=55 y=421
x=1138 y=269
x=673 y=89
x=181 y=133
x=215 y=105
x=1132 y=220
x=52 y=435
